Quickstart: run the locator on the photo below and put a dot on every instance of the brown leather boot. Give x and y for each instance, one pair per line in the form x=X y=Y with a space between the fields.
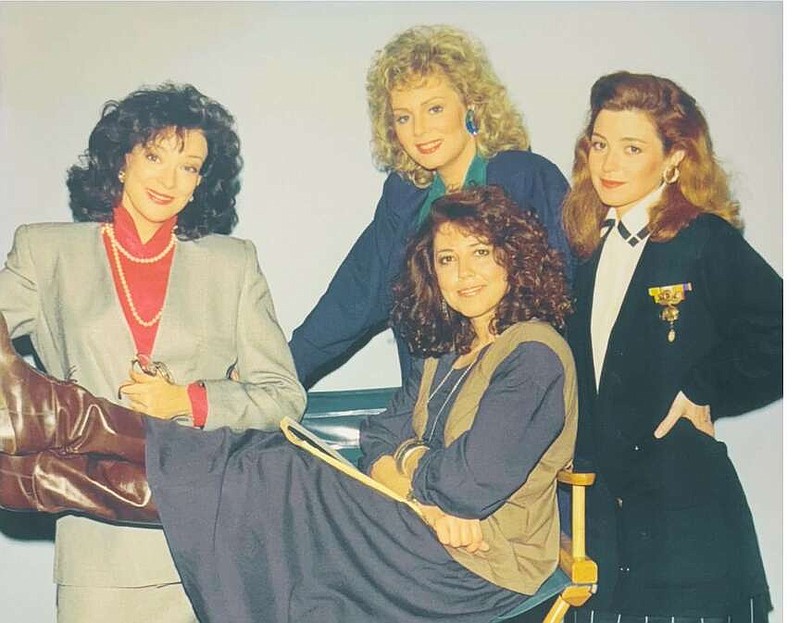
x=52 y=482
x=38 y=412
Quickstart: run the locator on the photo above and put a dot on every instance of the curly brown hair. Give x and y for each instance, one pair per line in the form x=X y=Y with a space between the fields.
x=537 y=288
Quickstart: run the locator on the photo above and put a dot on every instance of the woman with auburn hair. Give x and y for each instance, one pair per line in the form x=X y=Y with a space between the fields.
x=441 y=121
x=678 y=322
x=263 y=531
x=120 y=303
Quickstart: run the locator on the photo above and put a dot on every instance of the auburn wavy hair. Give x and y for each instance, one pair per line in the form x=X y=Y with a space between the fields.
x=145 y=116
x=702 y=186
x=537 y=288
x=412 y=58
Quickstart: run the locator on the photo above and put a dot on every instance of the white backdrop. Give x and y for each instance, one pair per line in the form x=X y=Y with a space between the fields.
x=293 y=74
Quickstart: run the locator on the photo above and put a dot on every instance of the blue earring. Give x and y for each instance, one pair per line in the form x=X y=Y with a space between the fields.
x=469 y=122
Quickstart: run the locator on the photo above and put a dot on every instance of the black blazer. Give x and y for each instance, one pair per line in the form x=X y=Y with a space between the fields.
x=668 y=521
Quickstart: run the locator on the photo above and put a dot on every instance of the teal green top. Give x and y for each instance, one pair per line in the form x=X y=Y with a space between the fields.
x=476 y=176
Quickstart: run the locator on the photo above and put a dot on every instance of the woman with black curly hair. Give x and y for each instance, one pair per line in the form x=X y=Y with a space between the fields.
x=148 y=279
x=262 y=531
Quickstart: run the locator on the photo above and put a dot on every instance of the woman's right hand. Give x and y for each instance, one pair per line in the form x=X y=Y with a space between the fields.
x=450 y=530
x=682 y=407
x=156 y=396
x=455 y=531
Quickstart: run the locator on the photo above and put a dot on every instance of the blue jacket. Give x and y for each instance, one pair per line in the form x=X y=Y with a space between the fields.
x=358 y=300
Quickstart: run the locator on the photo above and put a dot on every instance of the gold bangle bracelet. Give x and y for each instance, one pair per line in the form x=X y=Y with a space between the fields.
x=402 y=450
x=407 y=455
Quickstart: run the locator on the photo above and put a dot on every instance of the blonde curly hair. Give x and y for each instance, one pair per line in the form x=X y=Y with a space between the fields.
x=422 y=52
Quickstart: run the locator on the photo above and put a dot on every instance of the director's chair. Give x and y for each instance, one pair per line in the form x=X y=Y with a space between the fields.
x=335 y=416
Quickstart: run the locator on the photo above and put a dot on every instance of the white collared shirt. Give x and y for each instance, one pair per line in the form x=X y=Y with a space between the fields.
x=618 y=260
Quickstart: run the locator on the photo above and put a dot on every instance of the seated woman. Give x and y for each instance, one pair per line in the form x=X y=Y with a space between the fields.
x=149 y=274
x=262 y=531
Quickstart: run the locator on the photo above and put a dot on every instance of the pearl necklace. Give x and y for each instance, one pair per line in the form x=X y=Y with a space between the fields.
x=116 y=247
x=108 y=229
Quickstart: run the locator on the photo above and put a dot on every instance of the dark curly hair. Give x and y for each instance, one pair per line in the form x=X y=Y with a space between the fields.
x=139 y=119
x=537 y=288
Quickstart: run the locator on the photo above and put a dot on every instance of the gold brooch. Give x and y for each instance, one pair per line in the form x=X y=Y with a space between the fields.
x=668 y=297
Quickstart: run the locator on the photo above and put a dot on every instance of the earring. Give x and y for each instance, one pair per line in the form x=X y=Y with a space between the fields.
x=445 y=309
x=121 y=176
x=671 y=174
x=470 y=123
x=191 y=198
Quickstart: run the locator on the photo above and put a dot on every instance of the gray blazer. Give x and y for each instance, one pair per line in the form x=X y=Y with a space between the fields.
x=57 y=287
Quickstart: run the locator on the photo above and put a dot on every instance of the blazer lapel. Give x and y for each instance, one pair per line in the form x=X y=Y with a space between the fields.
x=183 y=305
x=110 y=317
x=582 y=326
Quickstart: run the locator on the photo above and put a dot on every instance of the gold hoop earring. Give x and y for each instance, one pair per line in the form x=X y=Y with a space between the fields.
x=671 y=174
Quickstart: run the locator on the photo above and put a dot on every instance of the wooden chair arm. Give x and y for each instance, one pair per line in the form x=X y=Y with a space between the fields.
x=581 y=479
x=572 y=558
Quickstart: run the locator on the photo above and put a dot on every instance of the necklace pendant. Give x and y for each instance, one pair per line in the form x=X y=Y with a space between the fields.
x=671 y=335
x=451 y=394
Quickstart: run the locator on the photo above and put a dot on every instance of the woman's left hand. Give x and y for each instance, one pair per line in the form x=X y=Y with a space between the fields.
x=455 y=531
x=698 y=415
x=156 y=396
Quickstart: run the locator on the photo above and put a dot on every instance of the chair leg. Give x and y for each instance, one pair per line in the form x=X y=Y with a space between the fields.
x=557 y=612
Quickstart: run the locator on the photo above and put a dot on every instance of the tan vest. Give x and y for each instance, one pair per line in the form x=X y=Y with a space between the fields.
x=523 y=534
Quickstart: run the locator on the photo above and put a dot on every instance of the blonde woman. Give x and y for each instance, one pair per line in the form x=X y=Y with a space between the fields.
x=441 y=121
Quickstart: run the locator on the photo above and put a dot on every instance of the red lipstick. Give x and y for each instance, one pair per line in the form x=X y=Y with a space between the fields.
x=429 y=148
x=159 y=198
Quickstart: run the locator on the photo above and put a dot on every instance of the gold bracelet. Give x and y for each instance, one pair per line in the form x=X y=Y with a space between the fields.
x=403 y=449
x=400 y=449
x=407 y=455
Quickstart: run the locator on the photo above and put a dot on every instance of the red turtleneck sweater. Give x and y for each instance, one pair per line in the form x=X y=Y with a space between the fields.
x=147 y=284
